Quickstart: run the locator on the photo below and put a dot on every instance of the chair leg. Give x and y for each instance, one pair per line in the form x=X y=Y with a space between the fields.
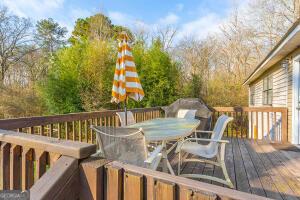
x=221 y=160
x=223 y=166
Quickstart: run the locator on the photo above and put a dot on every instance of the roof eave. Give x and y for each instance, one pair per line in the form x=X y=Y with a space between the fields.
x=279 y=46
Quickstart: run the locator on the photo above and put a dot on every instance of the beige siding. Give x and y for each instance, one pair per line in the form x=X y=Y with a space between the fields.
x=282 y=90
x=290 y=101
x=282 y=83
x=280 y=87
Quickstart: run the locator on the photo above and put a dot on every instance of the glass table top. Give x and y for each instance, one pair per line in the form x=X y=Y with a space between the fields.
x=167 y=128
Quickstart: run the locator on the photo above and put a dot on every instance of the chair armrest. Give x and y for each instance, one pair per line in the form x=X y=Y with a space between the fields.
x=204 y=140
x=200 y=131
x=154 y=154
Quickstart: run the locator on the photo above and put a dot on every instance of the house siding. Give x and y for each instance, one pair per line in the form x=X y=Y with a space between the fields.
x=282 y=94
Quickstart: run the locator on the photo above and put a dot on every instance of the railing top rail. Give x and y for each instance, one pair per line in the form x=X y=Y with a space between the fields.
x=76 y=150
x=15 y=123
x=250 y=109
x=189 y=183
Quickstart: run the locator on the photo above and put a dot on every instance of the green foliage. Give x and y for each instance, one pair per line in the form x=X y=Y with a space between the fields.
x=96 y=27
x=193 y=86
x=96 y=75
x=50 y=35
x=61 y=90
x=159 y=75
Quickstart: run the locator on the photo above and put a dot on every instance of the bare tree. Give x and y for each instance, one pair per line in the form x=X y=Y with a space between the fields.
x=14 y=34
x=166 y=35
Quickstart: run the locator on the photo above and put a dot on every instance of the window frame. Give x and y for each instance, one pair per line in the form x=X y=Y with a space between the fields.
x=252 y=95
x=268 y=90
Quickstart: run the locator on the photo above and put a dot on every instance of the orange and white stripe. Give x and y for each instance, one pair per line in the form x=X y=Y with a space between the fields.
x=126 y=81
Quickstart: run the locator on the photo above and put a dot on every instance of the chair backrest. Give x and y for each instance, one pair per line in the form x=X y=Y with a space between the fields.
x=122 y=144
x=204 y=112
x=186 y=113
x=217 y=134
x=130 y=118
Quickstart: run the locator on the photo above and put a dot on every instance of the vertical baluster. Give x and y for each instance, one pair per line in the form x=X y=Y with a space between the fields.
x=19 y=129
x=32 y=130
x=51 y=130
x=15 y=167
x=40 y=159
x=241 y=123
x=275 y=128
x=4 y=166
x=262 y=124
x=27 y=168
x=80 y=130
x=105 y=121
x=91 y=131
x=59 y=131
x=117 y=121
x=86 y=130
x=101 y=122
x=268 y=125
x=42 y=131
x=73 y=131
x=108 y=121
x=66 y=131
x=246 y=125
x=251 y=123
x=256 y=122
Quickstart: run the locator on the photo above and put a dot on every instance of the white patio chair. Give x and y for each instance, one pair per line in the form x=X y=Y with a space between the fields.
x=215 y=148
x=182 y=114
x=130 y=118
x=186 y=113
x=126 y=145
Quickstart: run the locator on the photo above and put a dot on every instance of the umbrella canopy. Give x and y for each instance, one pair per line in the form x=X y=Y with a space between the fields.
x=126 y=81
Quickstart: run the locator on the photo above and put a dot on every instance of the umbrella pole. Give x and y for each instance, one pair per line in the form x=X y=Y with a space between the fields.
x=125 y=108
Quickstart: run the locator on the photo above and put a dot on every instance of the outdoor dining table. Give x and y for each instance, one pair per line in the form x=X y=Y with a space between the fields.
x=164 y=130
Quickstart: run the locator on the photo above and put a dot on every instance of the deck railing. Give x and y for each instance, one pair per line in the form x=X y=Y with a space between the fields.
x=25 y=158
x=58 y=169
x=249 y=122
x=267 y=123
x=74 y=126
x=117 y=180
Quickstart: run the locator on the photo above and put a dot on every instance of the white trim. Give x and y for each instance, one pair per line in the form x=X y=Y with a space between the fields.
x=290 y=36
x=295 y=95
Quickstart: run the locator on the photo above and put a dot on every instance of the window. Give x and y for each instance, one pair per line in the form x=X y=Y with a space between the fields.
x=268 y=90
x=252 y=95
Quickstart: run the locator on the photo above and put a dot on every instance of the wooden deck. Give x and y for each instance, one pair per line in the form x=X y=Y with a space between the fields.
x=255 y=167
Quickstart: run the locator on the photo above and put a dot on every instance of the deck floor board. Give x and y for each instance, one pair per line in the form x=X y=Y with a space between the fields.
x=253 y=167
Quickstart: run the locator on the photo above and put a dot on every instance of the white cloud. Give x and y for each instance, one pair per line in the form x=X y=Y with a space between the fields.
x=32 y=8
x=201 y=27
x=169 y=19
x=120 y=18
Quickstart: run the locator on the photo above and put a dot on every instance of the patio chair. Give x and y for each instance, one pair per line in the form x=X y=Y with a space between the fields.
x=186 y=113
x=126 y=145
x=130 y=118
x=203 y=111
x=214 y=148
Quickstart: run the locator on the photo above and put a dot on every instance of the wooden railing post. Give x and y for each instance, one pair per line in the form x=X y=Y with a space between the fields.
x=284 y=127
x=92 y=183
x=15 y=167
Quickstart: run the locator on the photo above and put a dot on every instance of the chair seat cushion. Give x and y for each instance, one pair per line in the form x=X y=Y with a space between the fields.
x=197 y=149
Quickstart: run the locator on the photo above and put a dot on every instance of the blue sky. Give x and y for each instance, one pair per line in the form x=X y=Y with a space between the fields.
x=190 y=17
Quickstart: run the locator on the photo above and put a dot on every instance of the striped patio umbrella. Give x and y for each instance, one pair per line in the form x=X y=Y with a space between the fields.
x=126 y=81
